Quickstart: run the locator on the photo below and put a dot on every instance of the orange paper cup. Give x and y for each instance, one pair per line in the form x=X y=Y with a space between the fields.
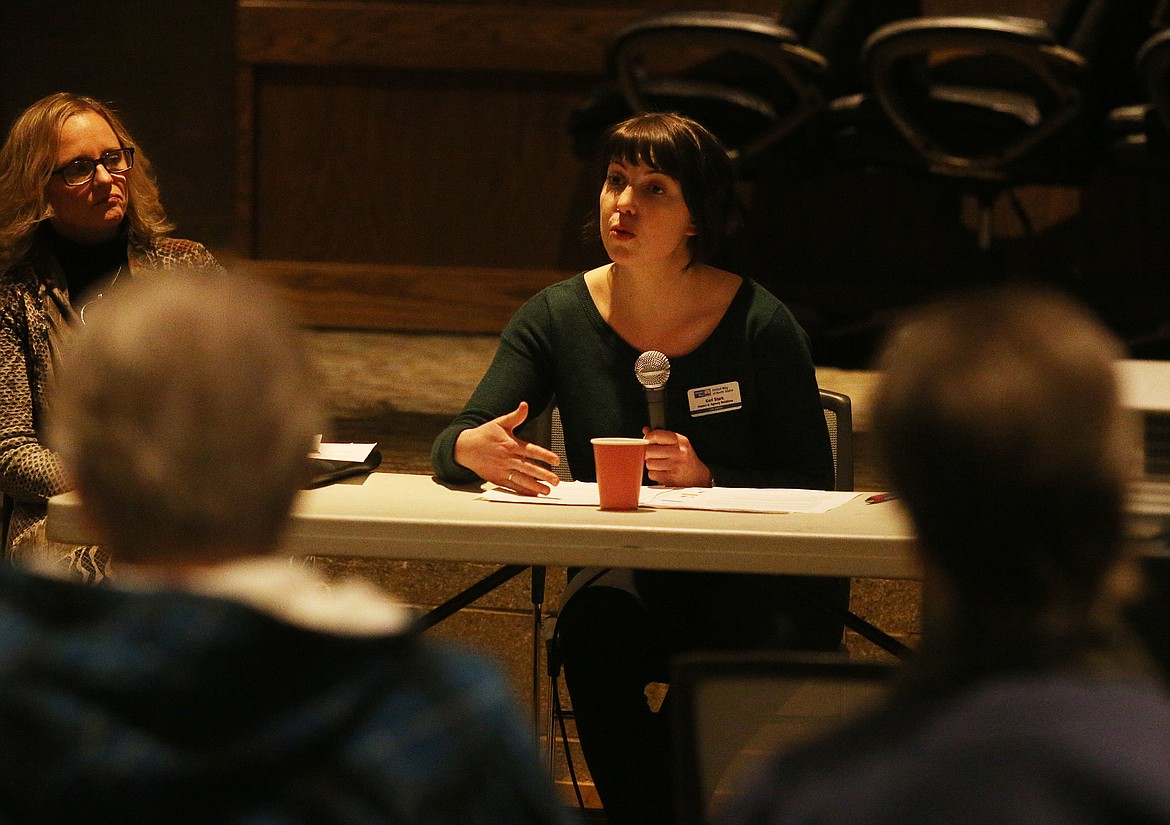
x=619 y=463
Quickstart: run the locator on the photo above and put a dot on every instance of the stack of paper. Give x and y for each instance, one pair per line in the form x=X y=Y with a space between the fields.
x=734 y=499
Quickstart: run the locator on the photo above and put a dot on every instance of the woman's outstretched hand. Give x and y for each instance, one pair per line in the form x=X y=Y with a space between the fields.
x=671 y=460
x=494 y=453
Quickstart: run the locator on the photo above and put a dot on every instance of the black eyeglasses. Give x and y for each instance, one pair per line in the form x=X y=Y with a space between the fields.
x=82 y=171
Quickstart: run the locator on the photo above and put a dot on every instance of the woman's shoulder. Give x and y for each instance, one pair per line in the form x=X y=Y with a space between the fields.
x=564 y=289
x=19 y=279
x=18 y=276
x=170 y=252
x=552 y=300
x=759 y=296
x=760 y=307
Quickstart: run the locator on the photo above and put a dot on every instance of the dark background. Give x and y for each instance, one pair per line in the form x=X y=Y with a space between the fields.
x=846 y=248
x=166 y=68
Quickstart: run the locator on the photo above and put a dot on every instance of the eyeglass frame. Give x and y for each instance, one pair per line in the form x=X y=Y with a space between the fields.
x=128 y=151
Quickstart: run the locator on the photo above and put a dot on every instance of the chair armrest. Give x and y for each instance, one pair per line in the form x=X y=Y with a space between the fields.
x=754 y=25
x=1023 y=39
x=1024 y=30
x=1126 y=120
x=752 y=34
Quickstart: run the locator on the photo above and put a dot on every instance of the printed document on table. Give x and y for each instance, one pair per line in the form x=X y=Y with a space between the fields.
x=734 y=499
x=744 y=499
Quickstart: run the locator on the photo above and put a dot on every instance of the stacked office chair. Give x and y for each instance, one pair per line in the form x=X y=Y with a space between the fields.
x=990 y=103
x=759 y=83
x=1140 y=152
x=745 y=77
x=1153 y=71
x=1140 y=131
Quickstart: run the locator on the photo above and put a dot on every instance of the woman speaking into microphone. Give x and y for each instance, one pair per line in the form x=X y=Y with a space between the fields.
x=665 y=202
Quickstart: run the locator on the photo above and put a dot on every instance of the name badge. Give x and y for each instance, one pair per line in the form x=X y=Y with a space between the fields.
x=717 y=398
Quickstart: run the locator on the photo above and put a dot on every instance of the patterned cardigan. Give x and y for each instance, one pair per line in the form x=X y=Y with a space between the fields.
x=35 y=313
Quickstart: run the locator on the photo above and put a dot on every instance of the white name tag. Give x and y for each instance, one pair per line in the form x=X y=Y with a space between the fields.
x=717 y=398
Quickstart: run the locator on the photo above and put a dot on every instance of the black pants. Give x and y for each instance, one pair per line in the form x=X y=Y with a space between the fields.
x=615 y=640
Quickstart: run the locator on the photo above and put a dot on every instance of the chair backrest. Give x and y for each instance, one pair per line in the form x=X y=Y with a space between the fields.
x=545 y=429
x=1139 y=132
x=557 y=445
x=731 y=710
x=839 y=417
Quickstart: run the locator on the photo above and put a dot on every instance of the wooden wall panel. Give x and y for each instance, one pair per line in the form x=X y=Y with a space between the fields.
x=423 y=298
x=428 y=36
x=415 y=138
x=444 y=169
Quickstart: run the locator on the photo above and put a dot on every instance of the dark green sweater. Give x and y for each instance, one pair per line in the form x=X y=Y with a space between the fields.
x=558 y=345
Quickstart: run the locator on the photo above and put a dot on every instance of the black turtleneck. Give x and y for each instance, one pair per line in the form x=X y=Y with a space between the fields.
x=85 y=265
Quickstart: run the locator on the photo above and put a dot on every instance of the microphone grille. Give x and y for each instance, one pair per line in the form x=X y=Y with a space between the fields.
x=652 y=369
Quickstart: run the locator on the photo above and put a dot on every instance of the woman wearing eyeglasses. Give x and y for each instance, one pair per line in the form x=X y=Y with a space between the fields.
x=79 y=214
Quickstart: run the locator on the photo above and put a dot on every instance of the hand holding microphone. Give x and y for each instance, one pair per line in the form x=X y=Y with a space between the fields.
x=670 y=459
x=652 y=370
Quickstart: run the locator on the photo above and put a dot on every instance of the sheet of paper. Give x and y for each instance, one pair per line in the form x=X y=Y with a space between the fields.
x=735 y=499
x=745 y=499
x=582 y=493
x=343 y=452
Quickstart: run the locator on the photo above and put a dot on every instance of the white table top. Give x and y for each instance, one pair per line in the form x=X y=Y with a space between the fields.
x=412 y=517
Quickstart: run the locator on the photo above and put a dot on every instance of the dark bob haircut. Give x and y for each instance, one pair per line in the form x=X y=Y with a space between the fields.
x=678 y=146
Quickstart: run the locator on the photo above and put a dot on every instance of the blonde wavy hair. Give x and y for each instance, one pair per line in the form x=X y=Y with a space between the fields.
x=28 y=158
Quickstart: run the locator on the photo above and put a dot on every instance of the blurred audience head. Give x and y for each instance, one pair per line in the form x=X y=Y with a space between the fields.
x=29 y=157
x=999 y=424
x=683 y=149
x=185 y=412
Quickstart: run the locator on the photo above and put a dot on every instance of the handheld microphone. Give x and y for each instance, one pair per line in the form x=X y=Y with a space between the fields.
x=652 y=370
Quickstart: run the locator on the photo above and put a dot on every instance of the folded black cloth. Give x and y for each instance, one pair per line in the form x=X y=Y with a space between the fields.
x=326 y=472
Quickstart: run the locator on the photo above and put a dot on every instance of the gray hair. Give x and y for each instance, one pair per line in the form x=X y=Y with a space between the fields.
x=185 y=412
x=1008 y=395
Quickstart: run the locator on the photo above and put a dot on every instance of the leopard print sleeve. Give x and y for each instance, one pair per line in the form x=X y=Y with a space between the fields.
x=175 y=253
x=28 y=471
